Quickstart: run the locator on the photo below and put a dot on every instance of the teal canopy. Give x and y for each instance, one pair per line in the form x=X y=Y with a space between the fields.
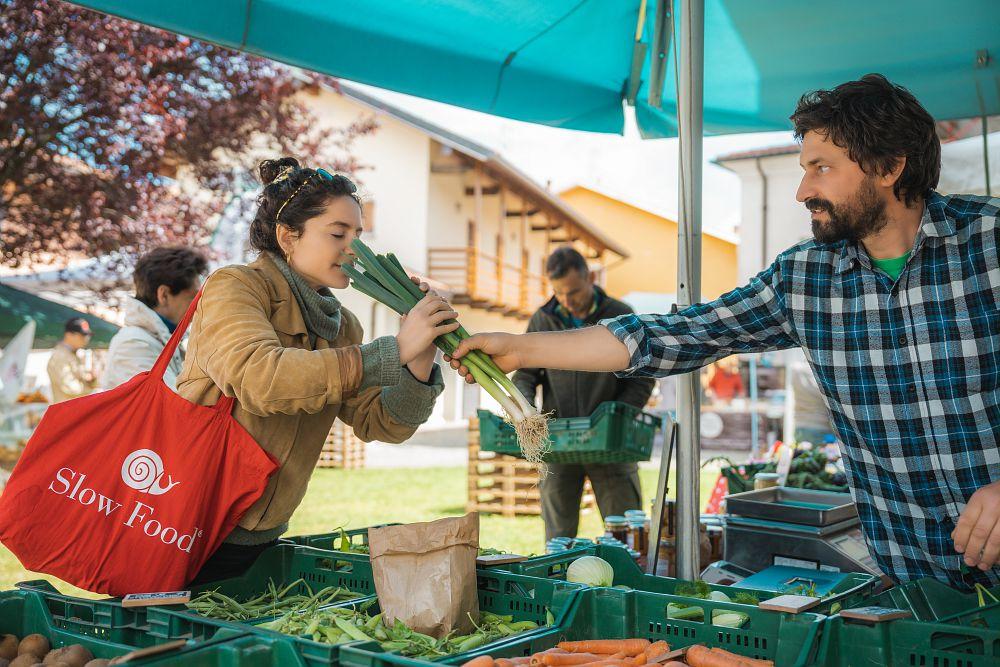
x=574 y=63
x=50 y=319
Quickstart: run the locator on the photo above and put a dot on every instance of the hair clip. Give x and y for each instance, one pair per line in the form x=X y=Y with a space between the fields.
x=283 y=174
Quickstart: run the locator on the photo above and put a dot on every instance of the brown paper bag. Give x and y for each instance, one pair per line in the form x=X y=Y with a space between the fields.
x=425 y=574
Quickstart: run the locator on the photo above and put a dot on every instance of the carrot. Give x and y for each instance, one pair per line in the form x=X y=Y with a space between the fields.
x=629 y=647
x=504 y=662
x=536 y=659
x=481 y=661
x=702 y=656
x=613 y=660
x=561 y=659
x=674 y=663
x=523 y=660
x=748 y=662
x=656 y=649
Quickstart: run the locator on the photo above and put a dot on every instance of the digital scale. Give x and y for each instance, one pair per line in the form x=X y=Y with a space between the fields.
x=784 y=527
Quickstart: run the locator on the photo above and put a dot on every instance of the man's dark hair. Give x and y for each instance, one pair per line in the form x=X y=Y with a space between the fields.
x=174 y=266
x=563 y=260
x=77 y=325
x=877 y=122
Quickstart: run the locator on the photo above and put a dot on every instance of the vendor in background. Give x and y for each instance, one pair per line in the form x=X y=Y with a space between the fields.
x=578 y=302
x=894 y=302
x=67 y=373
x=166 y=281
x=273 y=335
x=723 y=382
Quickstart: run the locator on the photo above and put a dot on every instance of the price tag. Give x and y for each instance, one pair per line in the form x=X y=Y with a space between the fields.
x=151 y=599
x=874 y=614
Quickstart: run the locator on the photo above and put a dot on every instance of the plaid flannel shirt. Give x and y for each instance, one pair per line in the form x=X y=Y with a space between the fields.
x=910 y=370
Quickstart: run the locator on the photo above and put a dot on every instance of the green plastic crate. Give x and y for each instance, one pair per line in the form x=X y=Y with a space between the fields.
x=927 y=599
x=286 y=563
x=855 y=590
x=969 y=639
x=331 y=540
x=500 y=592
x=606 y=613
x=103 y=626
x=614 y=433
x=244 y=651
x=505 y=593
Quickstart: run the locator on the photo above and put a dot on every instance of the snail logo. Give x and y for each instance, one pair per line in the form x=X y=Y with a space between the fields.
x=143 y=471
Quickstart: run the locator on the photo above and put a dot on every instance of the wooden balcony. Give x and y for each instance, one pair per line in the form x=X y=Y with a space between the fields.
x=483 y=281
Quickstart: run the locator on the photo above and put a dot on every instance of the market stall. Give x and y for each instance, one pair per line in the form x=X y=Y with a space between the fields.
x=303 y=605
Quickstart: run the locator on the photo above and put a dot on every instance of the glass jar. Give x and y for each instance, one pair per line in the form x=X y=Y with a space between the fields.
x=557 y=544
x=765 y=480
x=617 y=528
x=666 y=563
x=638 y=532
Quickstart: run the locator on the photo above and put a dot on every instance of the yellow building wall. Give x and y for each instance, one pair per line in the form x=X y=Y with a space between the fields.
x=651 y=242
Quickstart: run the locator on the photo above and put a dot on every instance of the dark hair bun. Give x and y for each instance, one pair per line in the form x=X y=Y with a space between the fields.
x=269 y=169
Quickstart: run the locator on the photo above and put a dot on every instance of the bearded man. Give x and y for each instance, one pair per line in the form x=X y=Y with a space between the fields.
x=895 y=304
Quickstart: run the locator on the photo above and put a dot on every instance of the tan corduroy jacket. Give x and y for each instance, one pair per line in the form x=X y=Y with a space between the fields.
x=248 y=340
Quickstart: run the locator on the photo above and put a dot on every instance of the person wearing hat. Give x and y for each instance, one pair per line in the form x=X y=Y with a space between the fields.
x=67 y=373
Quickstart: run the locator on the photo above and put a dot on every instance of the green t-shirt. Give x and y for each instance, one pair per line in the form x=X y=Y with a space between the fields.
x=893 y=267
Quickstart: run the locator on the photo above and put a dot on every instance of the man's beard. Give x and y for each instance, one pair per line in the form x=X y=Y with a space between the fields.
x=862 y=216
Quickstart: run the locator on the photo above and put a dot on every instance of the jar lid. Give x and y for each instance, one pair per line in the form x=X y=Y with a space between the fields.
x=638 y=521
x=766 y=476
x=634 y=513
x=615 y=520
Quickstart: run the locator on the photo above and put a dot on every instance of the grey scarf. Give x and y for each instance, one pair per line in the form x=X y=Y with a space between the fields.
x=320 y=308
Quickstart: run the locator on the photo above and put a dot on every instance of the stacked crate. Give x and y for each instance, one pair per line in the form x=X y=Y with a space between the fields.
x=506 y=485
x=342 y=449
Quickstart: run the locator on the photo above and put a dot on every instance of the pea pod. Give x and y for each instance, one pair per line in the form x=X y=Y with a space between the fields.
x=521 y=626
x=475 y=641
x=394 y=646
x=351 y=630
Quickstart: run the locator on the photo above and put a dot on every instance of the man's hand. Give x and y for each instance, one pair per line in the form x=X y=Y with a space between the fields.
x=977 y=534
x=590 y=349
x=501 y=346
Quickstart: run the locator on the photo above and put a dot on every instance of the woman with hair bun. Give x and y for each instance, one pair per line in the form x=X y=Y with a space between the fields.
x=272 y=335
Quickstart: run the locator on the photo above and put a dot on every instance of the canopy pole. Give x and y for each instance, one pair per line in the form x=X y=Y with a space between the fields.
x=689 y=119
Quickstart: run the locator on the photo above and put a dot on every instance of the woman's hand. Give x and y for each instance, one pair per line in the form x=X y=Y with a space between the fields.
x=419 y=328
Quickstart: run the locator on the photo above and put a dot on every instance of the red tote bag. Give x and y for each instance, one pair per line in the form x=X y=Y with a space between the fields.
x=131 y=490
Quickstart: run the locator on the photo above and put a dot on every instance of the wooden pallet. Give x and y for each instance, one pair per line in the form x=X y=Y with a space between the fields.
x=342 y=449
x=506 y=485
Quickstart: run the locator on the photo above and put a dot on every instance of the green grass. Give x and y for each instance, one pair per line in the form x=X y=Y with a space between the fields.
x=357 y=498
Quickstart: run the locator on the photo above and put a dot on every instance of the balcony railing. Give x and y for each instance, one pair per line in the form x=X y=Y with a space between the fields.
x=484 y=281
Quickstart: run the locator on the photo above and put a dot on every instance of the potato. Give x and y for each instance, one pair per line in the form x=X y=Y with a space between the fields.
x=4 y=662
x=98 y=662
x=53 y=656
x=26 y=660
x=35 y=644
x=8 y=647
x=74 y=655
